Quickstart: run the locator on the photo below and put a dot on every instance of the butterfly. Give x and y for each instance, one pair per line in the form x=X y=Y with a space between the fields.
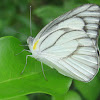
x=69 y=43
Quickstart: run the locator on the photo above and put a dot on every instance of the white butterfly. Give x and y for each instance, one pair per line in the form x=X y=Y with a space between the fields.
x=69 y=43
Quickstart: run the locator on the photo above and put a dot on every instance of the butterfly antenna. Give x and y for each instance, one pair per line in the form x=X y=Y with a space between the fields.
x=43 y=72
x=30 y=22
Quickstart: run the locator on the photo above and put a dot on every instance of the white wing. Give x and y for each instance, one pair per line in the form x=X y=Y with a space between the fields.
x=69 y=43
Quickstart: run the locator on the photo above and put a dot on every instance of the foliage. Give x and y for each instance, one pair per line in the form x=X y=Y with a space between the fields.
x=32 y=80
x=14 y=30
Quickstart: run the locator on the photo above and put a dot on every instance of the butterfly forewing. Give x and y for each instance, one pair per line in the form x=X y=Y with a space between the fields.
x=69 y=43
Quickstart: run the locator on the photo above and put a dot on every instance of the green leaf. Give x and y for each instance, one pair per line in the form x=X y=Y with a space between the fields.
x=32 y=80
x=91 y=90
x=59 y=97
x=70 y=95
x=71 y=4
x=94 y=1
x=48 y=13
x=18 y=98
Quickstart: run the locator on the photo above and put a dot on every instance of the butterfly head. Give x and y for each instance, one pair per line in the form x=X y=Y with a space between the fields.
x=30 y=40
x=30 y=43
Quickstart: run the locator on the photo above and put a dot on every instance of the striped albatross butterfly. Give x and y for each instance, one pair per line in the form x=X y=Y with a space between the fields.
x=69 y=43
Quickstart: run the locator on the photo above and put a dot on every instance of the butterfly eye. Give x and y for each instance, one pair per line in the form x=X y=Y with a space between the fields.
x=30 y=40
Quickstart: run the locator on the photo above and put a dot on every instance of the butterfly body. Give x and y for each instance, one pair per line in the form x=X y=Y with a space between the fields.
x=69 y=43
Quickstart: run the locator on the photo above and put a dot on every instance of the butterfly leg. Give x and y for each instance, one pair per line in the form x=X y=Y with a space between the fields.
x=24 y=45
x=43 y=72
x=25 y=63
x=23 y=50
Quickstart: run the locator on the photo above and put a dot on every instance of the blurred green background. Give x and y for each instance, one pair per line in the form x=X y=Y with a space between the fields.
x=15 y=21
